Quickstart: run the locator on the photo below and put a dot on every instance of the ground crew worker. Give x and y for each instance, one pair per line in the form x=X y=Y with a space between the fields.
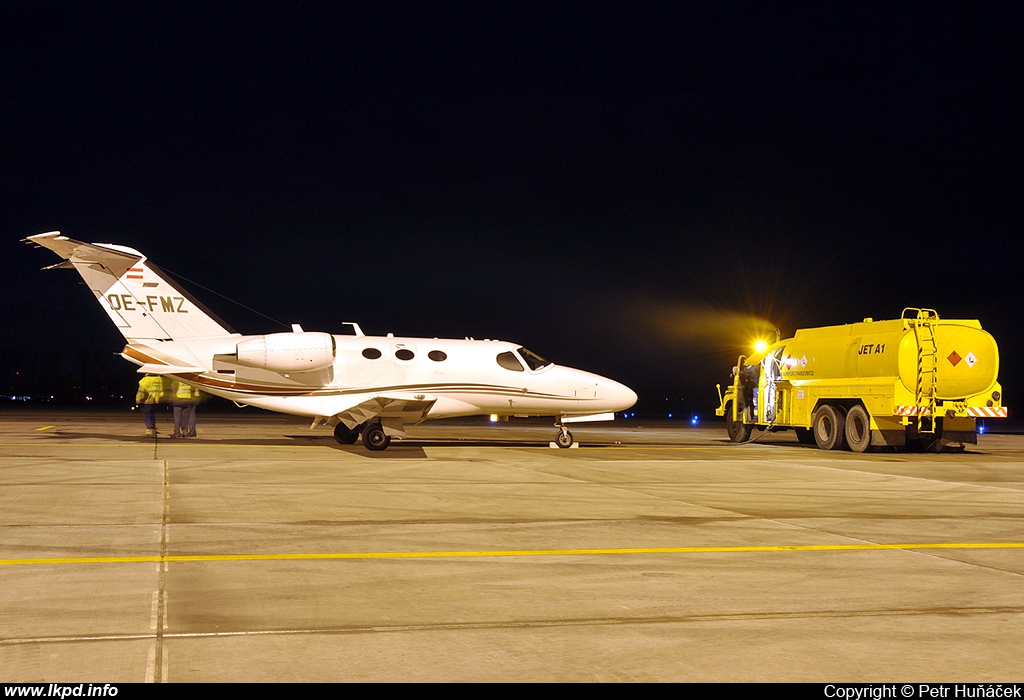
x=185 y=399
x=149 y=396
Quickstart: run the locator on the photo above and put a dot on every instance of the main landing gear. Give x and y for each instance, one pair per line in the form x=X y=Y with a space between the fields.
x=374 y=437
x=346 y=435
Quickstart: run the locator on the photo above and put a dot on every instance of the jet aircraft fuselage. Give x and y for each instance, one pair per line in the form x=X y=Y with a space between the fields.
x=368 y=386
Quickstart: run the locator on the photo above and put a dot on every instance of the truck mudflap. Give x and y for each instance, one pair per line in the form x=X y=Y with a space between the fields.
x=966 y=437
x=889 y=438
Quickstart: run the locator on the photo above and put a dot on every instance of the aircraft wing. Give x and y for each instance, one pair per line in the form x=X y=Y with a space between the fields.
x=392 y=410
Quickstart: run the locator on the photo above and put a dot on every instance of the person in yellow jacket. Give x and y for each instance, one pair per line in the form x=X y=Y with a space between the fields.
x=152 y=391
x=185 y=399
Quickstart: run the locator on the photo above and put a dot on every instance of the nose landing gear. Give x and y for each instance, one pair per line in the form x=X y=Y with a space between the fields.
x=564 y=438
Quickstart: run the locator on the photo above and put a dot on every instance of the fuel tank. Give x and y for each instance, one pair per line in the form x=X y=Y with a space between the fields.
x=965 y=357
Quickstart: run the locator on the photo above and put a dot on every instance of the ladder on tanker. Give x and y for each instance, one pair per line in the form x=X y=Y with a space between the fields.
x=927 y=366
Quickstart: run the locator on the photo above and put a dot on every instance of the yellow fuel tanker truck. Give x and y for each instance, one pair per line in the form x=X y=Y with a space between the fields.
x=917 y=381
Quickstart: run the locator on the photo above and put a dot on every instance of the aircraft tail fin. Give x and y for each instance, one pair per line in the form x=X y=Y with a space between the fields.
x=140 y=299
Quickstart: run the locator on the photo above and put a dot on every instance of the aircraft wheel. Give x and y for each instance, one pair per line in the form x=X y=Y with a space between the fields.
x=858 y=429
x=564 y=439
x=345 y=435
x=829 y=427
x=374 y=437
x=805 y=436
x=737 y=429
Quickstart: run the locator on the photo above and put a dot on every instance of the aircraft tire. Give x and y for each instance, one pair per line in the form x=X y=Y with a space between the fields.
x=374 y=437
x=829 y=427
x=564 y=439
x=345 y=435
x=858 y=429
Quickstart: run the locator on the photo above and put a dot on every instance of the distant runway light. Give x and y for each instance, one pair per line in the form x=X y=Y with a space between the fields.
x=694 y=420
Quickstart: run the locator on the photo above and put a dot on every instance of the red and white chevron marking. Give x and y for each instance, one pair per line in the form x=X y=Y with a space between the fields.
x=976 y=411
x=987 y=411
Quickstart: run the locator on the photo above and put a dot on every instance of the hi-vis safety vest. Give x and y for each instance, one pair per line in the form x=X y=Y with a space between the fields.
x=186 y=393
x=151 y=390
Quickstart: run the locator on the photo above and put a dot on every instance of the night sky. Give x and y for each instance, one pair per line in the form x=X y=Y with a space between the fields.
x=624 y=188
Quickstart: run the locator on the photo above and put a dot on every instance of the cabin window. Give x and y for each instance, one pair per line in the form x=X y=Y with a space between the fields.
x=508 y=361
x=404 y=354
x=371 y=353
x=533 y=360
x=437 y=356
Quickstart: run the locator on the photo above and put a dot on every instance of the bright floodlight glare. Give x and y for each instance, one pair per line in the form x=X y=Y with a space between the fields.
x=761 y=345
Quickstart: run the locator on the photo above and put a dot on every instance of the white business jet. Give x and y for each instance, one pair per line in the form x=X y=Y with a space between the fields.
x=369 y=386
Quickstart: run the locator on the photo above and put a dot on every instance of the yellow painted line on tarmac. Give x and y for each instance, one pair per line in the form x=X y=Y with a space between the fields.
x=507 y=553
x=46 y=427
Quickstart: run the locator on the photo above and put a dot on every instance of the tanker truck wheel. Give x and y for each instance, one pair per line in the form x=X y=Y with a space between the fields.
x=858 y=429
x=737 y=429
x=829 y=427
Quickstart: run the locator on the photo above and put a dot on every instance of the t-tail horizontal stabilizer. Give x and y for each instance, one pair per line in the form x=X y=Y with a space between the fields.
x=140 y=300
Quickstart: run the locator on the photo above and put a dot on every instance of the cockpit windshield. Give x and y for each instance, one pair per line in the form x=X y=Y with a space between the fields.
x=532 y=360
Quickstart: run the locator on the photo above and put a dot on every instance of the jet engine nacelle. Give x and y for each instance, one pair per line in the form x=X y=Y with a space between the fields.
x=288 y=352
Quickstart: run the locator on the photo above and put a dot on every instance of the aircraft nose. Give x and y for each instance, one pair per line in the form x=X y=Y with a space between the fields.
x=619 y=396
